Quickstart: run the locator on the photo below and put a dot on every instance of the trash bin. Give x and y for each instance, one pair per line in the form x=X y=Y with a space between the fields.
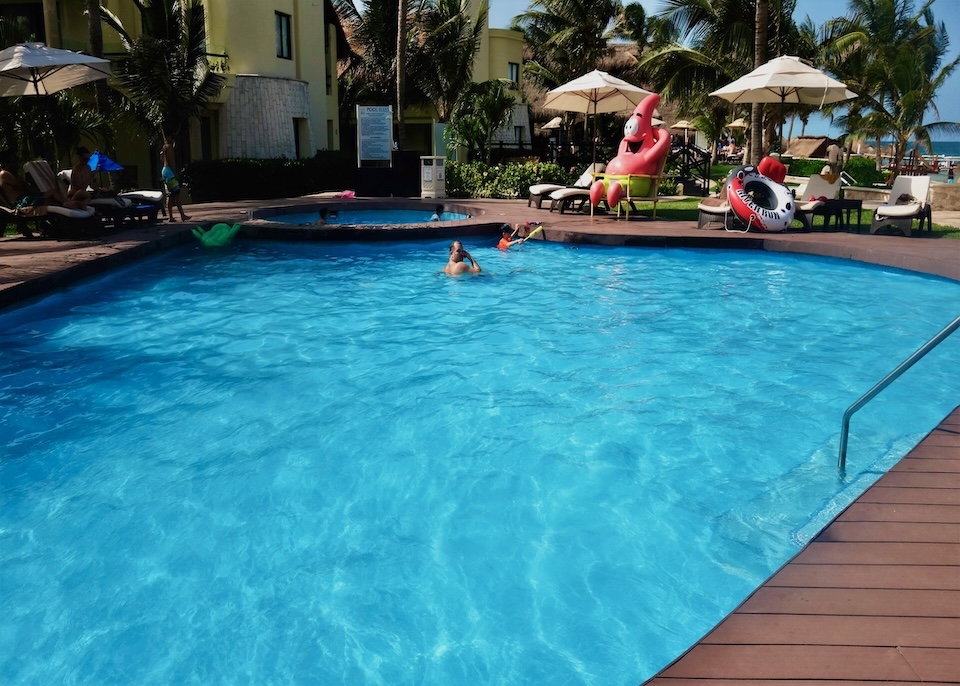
x=433 y=183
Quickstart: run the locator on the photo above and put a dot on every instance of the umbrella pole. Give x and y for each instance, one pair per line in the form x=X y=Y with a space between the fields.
x=594 y=134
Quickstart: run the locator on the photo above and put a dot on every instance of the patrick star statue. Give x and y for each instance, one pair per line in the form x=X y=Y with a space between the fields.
x=641 y=151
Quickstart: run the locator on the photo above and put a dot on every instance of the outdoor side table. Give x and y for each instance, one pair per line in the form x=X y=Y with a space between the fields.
x=836 y=208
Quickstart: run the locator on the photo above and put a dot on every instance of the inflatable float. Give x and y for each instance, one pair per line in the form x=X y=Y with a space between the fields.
x=758 y=200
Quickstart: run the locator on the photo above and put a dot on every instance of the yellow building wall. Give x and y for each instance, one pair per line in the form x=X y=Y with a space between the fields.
x=506 y=46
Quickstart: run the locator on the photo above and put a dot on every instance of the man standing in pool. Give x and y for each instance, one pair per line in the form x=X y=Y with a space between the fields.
x=456 y=265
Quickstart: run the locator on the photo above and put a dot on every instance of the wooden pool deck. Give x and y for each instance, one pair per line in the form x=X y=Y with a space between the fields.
x=875 y=598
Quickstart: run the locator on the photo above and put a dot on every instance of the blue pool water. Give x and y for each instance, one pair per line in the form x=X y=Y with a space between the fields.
x=328 y=464
x=364 y=216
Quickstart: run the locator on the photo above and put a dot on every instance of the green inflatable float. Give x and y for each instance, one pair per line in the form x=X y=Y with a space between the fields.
x=218 y=236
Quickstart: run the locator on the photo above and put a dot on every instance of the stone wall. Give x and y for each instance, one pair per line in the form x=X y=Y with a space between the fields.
x=257 y=118
x=506 y=135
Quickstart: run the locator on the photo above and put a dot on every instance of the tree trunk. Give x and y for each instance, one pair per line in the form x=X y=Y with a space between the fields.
x=759 y=59
x=401 y=69
x=51 y=21
x=95 y=30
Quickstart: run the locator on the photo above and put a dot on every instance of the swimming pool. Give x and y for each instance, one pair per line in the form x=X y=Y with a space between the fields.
x=326 y=463
x=361 y=216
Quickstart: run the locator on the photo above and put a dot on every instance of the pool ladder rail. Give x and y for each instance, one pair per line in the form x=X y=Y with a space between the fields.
x=886 y=381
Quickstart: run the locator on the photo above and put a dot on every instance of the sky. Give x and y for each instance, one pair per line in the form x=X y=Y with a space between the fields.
x=947 y=11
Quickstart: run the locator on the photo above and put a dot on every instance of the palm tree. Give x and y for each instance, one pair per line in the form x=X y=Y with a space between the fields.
x=368 y=71
x=164 y=72
x=403 y=11
x=483 y=109
x=448 y=43
x=717 y=43
x=567 y=38
x=892 y=55
x=759 y=59
x=95 y=34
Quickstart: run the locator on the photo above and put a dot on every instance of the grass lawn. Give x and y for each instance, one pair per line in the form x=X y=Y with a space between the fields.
x=686 y=210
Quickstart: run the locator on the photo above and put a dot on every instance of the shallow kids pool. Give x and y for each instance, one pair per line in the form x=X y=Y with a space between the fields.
x=328 y=464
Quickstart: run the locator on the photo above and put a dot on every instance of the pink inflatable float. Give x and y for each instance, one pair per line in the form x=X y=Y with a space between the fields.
x=641 y=151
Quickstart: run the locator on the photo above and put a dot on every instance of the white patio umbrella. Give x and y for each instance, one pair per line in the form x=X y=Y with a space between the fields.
x=785 y=80
x=737 y=124
x=595 y=93
x=35 y=69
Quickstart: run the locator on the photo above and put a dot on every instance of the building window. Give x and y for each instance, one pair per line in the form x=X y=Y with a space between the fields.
x=284 y=41
x=513 y=72
x=518 y=134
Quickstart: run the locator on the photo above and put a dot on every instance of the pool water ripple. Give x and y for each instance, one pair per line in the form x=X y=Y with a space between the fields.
x=330 y=464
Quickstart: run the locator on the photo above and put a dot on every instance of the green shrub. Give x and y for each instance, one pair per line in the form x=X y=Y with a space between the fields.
x=242 y=179
x=510 y=180
x=860 y=168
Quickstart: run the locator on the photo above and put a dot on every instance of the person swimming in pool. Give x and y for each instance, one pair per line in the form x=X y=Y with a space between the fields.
x=506 y=237
x=456 y=265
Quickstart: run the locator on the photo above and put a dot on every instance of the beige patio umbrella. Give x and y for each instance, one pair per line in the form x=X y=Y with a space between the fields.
x=35 y=69
x=785 y=80
x=553 y=124
x=595 y=93
x=684 y=126
x=737 y=124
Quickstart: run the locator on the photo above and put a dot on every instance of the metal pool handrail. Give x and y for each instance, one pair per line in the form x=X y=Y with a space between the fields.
x=886 y=381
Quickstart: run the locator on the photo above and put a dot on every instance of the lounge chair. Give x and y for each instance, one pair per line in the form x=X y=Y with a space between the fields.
x=909 y=199
x=61 y=220
x=58 y=221
x=809 y=203
x=538 y=191
x=138 y=205
x=715 y=210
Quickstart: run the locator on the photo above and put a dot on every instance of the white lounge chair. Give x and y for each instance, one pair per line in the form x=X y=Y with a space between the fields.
x=137 y=205
x=909 y=199
x=538 y=191
x=809 y=202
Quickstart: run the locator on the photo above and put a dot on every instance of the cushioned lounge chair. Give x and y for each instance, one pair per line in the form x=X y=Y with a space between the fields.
x=61 y=220
x=538 y=191
x=713 y=211
x=909 y=199
x=809 y=203
x=137 y=205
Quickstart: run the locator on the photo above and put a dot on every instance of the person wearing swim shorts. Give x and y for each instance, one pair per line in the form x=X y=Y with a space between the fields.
x=456 y=265
x=171 y=185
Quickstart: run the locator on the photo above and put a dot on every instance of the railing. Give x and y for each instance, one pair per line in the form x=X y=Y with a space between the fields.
x=886 y=381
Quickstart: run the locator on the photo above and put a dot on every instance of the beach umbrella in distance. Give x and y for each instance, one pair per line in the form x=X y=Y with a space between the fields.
x=785 y=80
x=595 y=93
x=553 y=124
x=737 y=124
x=35 y=69
x=684 y=126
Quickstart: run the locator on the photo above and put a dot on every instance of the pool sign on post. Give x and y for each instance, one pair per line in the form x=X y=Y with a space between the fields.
x=374 y=136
